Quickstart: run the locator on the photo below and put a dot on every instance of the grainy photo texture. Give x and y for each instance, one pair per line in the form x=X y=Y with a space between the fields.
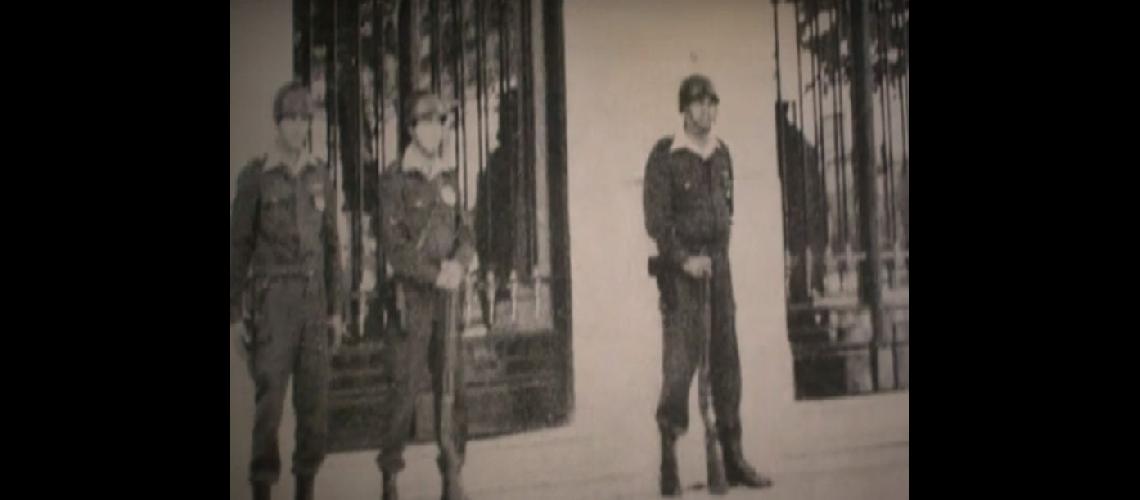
x=485 y=249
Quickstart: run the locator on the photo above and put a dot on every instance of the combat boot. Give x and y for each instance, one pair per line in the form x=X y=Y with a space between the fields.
x=390 y=492
x=452 y=485
x=670 y=483
x=261 y=490
x=305 y=486
x=736 y=468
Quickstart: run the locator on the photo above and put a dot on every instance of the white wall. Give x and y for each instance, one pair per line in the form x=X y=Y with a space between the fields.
x=261 y=60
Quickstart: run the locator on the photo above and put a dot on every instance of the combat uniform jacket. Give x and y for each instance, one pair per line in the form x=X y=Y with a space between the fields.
x=421 y=225
x=688 y=198
x=284 y=225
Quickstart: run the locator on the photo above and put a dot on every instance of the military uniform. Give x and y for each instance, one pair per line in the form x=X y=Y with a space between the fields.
x=688 y=211
x=285 y=282
x=420 y=228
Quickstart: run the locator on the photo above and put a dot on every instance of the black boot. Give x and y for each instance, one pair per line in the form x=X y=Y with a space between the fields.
x=390 y=492
x=261 y=490
x=736 y=468
x=451 y=491
x=304 y=487
x=670 y=483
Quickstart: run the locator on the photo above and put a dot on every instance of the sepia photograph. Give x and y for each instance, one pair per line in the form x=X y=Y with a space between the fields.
x=569 y=249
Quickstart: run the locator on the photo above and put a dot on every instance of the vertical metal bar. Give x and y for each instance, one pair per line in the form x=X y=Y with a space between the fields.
x=382 y=69
x=455 y=86
x=554 y=31
x=478 y=13
x=836 y=121
x=504 y=45
x=481 y=113
x=817 y=125
x=843 y=182
x=331 y=112
x=331 y=100
x=299 y=45
x=904 y=21
x=461 y=78
x=409 y=35
x=896 y=17
x=377 y=72
x=862 y=103
x=882 y=122
x=518 y=191
x=436 y=69
x=511 y=136
x=310 y=13
x=891 y=169
x=301 y=36
x=906 y=55
x=803 y=163
x=492 y=82
x=888 y=131
x=888 y=158
x=380 y=35
x=497 y=79
x=540 y=139
x=526 y=68
x=356 y=133
x=781 y=135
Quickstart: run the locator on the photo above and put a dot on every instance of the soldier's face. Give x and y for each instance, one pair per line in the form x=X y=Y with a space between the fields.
x=430 y=133
x=294 y=131
x=701 y=114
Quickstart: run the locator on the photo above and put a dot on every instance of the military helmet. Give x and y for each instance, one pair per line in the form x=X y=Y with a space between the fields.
x=428 y=105
x=292 y=100
x=696 y=87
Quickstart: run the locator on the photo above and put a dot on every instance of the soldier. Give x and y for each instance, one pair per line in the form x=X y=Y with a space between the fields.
x=688 y=212
x=285 y=282
x=429 y=246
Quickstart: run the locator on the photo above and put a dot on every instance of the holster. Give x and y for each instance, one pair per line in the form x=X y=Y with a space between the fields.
x=660 y=269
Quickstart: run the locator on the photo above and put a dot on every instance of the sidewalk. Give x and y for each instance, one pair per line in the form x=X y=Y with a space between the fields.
x=523 y=467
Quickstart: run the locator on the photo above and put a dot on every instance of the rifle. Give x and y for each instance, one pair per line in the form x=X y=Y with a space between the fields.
x=714 y=459
x=451 y=460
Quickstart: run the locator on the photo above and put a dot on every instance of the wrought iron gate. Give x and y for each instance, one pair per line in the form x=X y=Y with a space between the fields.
x=846 y=202
x=501 y=61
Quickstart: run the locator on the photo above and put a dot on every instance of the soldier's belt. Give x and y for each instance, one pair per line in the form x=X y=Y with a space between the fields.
x=707 y=247
x=285 y=272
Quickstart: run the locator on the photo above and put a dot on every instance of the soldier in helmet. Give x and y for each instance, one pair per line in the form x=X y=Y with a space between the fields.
x=285 y=279
x=688 y=212
x=429 y=245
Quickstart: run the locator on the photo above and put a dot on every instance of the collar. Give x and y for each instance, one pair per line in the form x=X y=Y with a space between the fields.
x=681 y=140
x=415 y=161
x=276 y=159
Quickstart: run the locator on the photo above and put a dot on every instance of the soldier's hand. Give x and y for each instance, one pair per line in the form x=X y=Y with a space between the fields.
x=241 y=338
x=336 y=331
x=698 y=267
x=450 y=275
